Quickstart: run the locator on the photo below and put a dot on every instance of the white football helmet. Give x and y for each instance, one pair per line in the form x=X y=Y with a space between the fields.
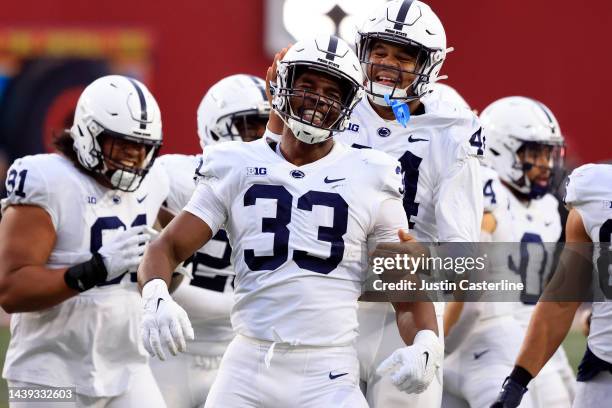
x=118 y=107
x=411 y=24
x=510 y=126
x=230 y=106
x=325 y=54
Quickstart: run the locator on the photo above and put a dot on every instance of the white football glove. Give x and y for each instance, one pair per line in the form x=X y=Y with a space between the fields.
x=412 y=368
x=163 y=320
x=124 y=251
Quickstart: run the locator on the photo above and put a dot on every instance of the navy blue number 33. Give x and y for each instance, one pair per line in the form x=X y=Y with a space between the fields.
x=278 y=227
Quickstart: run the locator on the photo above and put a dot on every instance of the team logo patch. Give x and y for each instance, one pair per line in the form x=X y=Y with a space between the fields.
x=384 y=132
x=298 y=174
x=257 y=171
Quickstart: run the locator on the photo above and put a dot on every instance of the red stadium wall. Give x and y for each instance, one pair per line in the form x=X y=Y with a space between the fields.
x=554 y=51
x=550 y=50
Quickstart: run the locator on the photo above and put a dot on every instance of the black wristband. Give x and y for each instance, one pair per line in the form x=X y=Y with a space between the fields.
x=86 y=275
x=521 y=376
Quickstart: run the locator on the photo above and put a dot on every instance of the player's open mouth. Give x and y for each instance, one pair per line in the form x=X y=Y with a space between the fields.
x=308 y=116
x=128 y=163
x=386 y=79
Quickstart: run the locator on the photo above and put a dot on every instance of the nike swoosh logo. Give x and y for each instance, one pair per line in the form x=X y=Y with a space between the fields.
x=426 y=357
x=416 y=139
x=158 y=300
x=333 y=377
x=328 y=180
x=478 y=355
x=140 y=200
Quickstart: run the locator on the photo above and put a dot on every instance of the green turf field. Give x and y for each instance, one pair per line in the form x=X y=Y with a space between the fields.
x=574 y=346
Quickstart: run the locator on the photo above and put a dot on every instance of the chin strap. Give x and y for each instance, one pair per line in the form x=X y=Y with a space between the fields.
x=400 y=110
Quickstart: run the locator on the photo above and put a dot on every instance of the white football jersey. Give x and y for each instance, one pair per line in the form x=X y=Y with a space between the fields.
x=92 y=340
x=207 y=298
x=589 y=191
x=299 y=234
x=497 y=202
x=439 y=151
x=536 y=225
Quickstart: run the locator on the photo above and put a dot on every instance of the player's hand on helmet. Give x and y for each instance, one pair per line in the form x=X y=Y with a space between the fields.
x=124 y=251
x=164 y=323
x=271 y=73
x=413 y=368
x=275 y=123
x=510 y=395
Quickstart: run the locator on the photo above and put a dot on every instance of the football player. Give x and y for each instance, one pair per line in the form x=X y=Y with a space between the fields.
x=298 y=216
x=588 y=196
x=235 y=108
x=401 y=47
x=526 y=149
x=74 y=224
x=485 y=336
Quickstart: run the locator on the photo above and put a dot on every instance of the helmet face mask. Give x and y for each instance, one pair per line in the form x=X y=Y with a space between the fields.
x=245 y=125
x=126 y=160
x=318 y=85
x=403 y=82
x=234 y=108
x=541 y=165
x=115 y=117
x=312 y=108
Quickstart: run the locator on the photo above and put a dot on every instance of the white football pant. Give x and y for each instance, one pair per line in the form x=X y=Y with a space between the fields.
x=185 y=379
x=142 y=392
x=297 y=376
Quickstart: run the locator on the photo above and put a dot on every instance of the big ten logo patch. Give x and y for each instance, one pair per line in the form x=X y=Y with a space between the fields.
x=257 y=171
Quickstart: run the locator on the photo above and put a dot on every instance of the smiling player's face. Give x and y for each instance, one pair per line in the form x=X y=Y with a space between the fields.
x=119 y=152
x=392 y=64
x=317 y=98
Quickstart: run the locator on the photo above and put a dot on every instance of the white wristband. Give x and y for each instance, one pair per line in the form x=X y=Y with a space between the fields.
x=155 y=288
x=426 y=337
